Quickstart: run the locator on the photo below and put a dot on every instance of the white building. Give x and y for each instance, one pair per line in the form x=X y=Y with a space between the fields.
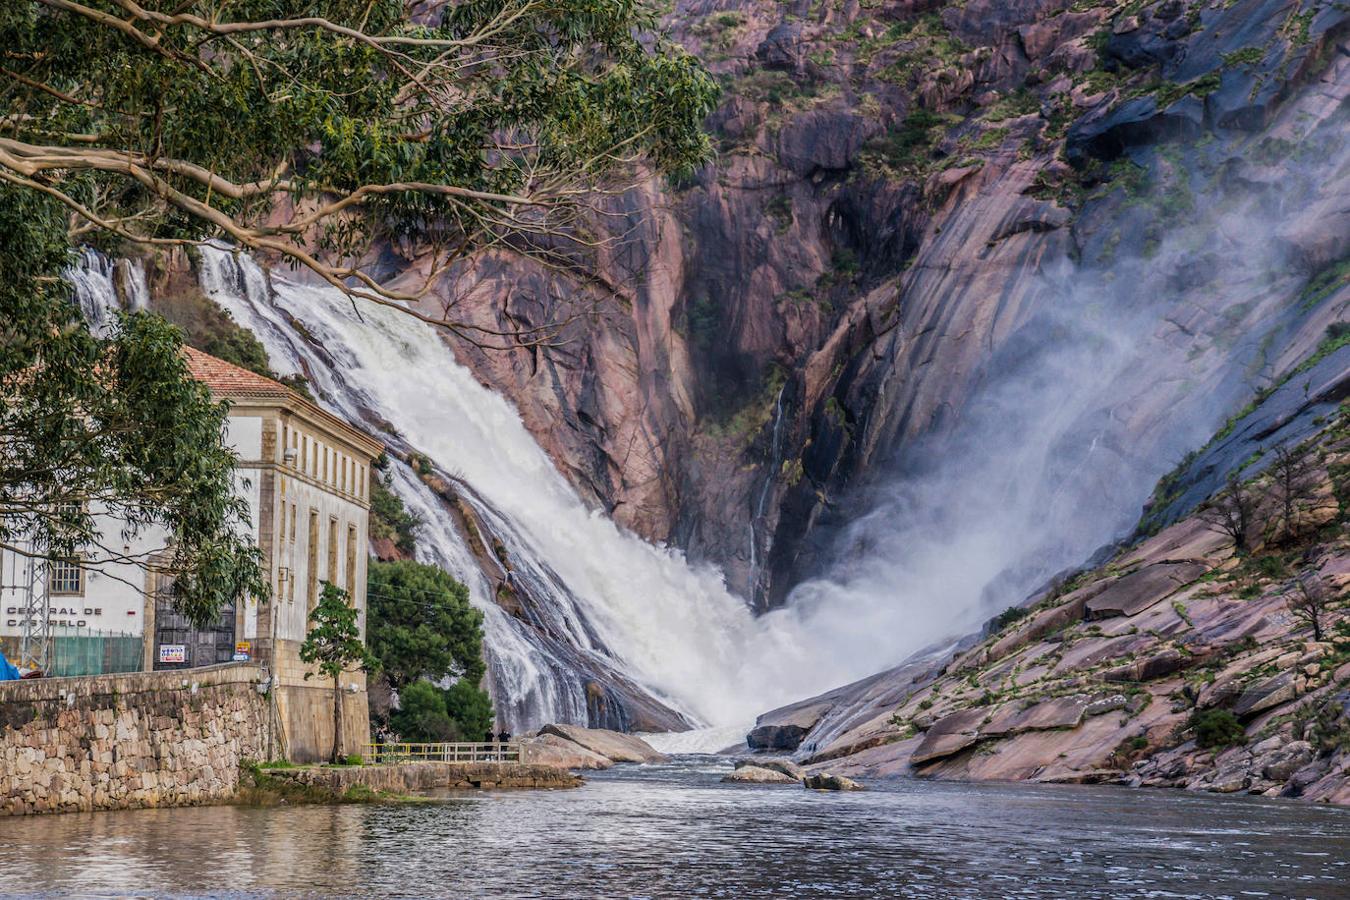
x=306 y=477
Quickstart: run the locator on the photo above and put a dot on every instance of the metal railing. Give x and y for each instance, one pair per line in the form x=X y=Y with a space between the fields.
x=491 y=752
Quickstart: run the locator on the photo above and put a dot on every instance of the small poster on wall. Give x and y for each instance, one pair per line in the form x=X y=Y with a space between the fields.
x=173 y=653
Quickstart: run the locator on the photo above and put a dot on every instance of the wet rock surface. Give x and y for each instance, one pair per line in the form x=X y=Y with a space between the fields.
x=826 y=781
x=758 y=775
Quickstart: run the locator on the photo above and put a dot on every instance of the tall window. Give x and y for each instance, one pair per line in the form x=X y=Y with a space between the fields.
x=313 y=583
x=290 y=584
x=333 y=551
x=351 y=561
x=66 y=578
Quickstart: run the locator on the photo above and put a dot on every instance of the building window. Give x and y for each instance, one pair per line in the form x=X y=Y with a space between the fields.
x=304 y=453
x=351 y=562
x=333 y=552
x=66 y=578
x=313 y=559
x=292 y=523
x=325 y=465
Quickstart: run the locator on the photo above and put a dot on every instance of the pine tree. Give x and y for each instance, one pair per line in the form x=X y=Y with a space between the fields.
x=334 y=646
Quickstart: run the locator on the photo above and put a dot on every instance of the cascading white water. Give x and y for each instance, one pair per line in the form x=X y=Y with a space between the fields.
x=94 y=282
x=641 y=609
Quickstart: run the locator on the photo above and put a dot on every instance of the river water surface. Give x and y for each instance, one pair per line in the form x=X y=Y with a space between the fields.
x=674 y=831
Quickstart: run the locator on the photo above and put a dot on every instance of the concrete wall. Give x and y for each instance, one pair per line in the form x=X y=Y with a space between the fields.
x=306 y=711
x=127 y=741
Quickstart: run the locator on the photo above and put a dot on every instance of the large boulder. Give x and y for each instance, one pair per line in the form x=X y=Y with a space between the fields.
x=776 y=737
x=757 y=775
x=612 y=744
x=1265 y=695
x=821 y=140
x=950 y=735
x=559 y=752
x=1281 y=764
x=775 y=764
x=824 y=781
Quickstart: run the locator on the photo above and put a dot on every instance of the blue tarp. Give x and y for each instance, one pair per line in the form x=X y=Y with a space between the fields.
x=7 y=670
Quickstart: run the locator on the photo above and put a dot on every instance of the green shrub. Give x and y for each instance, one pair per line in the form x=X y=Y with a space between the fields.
x=1008 y=616
x=1217 y=728
x=390 y=519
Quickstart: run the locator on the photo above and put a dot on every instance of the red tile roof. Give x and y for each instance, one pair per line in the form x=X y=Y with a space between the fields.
x=228 y=381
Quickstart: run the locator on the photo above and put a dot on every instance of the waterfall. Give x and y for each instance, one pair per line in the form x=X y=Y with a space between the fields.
x=771 y=475
x=602 y=600
x=99 y=291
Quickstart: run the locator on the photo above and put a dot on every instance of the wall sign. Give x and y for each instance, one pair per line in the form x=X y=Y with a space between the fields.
x=173 y=653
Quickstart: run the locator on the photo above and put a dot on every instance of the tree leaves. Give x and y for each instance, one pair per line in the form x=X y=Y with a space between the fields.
x=109 y=427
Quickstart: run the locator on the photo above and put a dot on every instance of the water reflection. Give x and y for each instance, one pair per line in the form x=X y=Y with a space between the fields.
x=673 y=831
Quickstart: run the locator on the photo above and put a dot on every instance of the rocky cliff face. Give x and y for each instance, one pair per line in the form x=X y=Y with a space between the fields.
x=894 y=180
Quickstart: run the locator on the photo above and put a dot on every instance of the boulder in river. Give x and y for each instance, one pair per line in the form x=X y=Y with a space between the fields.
x=824 y=781
x=776 y=764
x=612 y=744
x=775 y=737
x=757 y=775
x=559 y=752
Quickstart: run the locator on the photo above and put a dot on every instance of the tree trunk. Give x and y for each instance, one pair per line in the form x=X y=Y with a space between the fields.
x=337 y=719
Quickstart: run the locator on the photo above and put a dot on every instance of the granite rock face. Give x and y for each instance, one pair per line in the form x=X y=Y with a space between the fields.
x=611 y=745
x=890 y=185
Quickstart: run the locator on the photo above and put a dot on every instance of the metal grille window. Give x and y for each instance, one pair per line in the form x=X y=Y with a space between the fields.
x=67 y=577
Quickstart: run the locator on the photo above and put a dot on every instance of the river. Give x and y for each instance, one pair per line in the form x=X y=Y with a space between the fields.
x=674 y=831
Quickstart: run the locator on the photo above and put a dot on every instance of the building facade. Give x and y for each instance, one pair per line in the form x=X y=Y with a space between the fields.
x=305 y=475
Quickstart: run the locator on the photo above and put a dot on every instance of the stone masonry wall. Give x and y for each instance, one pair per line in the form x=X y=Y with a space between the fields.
x=128 y=741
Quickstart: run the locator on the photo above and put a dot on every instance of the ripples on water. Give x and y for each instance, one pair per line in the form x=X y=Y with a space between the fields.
x=673 y=831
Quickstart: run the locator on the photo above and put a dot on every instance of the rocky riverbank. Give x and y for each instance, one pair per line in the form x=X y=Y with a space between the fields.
x=1184 y=661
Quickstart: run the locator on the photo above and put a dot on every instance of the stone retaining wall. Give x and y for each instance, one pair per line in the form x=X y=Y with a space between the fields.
x=130 y=740
x=412 y=778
